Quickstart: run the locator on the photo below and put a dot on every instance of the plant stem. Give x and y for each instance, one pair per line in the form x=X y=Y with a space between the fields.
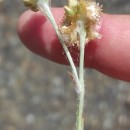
x=79 y=80
x=44 y=8
x=82 y=35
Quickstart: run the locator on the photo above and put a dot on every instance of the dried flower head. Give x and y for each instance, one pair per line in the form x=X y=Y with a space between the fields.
x=87 y=11
x=37 y=5
x=32 y=4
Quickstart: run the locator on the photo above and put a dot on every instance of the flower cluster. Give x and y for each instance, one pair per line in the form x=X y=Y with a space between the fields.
x=32 y=4
x=87 y=11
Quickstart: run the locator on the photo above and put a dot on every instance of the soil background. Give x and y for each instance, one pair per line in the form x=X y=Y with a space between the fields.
x=36 y=94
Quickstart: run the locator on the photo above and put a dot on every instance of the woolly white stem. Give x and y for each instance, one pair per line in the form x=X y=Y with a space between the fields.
x=82 y=37
x=44 y=8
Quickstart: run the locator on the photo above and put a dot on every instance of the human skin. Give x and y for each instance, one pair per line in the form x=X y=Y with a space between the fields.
x=109 y=55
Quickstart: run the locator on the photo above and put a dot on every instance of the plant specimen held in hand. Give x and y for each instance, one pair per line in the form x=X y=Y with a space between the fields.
x=78 y=27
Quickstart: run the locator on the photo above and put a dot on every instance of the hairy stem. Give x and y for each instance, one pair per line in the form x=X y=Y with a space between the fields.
x=44 y=8
x=79 y=80
x=80 y=107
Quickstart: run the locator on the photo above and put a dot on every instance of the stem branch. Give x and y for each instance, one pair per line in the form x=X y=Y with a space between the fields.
x=79 y=80
x=44 y=8
x=82 y=35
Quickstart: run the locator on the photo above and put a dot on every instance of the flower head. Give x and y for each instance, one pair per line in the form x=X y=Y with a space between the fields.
x=35 y=5
x=32 y=4
x=87 y=11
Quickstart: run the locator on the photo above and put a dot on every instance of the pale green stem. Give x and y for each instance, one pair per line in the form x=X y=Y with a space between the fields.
x=82 y=35
x=44 y=8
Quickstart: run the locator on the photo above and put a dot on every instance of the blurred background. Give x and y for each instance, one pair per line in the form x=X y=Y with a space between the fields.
x=36 y=94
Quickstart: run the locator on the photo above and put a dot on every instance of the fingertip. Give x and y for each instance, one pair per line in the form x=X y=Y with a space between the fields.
x=38 y=35
x=27 y=21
